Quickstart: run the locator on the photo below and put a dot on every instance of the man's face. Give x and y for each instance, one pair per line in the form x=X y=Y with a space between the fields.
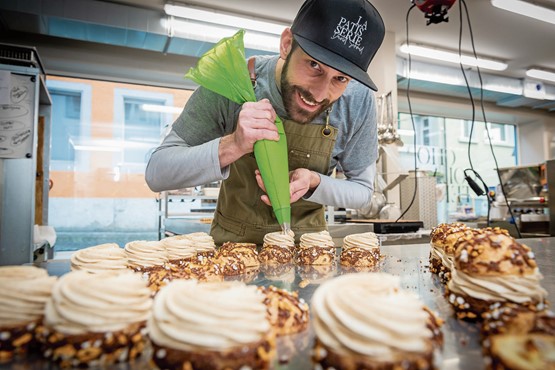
x=309 y=87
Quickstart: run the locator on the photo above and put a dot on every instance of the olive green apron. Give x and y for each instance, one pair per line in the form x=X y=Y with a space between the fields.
x=240 y=214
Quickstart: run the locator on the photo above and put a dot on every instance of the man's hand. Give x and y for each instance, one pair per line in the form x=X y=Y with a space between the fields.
x=301 y=181
x=255 y=122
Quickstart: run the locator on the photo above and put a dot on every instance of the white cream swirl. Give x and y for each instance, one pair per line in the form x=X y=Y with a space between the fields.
x=24 y=291
x=320 y=239
x=367 y=314
x=280 y=239
x=188 y=245
x=190 y=316
x=367 y=240
x=446 y=259
x=99 y=258
x=142 y=253
x=103 y=302
x=514 y=288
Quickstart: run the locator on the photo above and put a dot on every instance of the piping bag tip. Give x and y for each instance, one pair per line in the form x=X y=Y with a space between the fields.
x=285 y=228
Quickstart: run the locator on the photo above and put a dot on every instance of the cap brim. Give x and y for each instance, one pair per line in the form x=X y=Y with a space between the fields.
x=335 y=61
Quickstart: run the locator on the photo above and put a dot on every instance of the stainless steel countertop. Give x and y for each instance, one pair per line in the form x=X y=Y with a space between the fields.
x=410 y=262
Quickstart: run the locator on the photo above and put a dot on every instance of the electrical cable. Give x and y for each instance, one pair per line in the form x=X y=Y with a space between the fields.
x=463 y=2
x=412 y=121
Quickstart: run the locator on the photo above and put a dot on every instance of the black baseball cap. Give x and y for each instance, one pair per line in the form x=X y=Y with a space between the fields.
x=343 y=34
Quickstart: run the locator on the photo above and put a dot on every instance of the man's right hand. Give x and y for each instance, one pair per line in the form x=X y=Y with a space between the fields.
x=256 y=122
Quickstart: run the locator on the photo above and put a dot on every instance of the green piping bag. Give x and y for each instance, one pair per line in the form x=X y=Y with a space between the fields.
x=223 y=70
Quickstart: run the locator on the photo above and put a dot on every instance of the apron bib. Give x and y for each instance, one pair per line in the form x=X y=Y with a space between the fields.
x=240 y=214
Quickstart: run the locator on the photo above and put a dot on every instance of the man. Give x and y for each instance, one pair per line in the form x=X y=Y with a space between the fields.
x=319 y=86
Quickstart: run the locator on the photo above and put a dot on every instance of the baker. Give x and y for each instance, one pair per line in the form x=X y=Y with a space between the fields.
x=319 y=86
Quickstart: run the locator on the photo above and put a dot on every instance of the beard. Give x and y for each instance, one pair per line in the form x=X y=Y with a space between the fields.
x=289 y=93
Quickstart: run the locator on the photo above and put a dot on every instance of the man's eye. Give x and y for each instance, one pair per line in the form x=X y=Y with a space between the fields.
x=342 y=79
x=313 y=64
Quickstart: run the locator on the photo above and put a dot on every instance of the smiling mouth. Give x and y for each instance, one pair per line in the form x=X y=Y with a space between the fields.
x=308 y=102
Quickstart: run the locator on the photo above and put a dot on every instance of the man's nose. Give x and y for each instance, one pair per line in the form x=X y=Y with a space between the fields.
x=320 y=90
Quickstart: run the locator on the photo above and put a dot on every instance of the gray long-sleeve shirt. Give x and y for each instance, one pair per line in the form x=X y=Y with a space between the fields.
x=188 y=156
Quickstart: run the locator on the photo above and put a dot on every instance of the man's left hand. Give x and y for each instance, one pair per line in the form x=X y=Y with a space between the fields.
x=301 y=181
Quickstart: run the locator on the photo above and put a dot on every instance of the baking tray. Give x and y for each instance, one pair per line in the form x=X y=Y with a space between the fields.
x=408 y=261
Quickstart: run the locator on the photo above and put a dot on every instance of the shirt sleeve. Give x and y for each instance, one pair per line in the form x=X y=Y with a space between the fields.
x=354 y=192
x=188 y=155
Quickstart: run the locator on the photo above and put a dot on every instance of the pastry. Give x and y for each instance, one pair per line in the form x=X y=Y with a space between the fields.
x=493 y=268
x=237 y=259
x=96 y=319
x=360 y=250
x=99 y=258
x=316 y=249
x=511 y=318
x=442 y=241
x=532 y=351
x=287 y=313
x=245 y=252
x=24 y=291
x=146 y=256
x=277 y=248
x=210 y=326
x=387 y=328
x=197 y=246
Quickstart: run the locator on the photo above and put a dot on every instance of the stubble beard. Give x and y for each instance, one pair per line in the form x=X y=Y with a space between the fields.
x=289 y=92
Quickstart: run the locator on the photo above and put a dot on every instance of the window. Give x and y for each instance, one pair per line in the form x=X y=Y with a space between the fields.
x=500 y=134
x=139 y=130
x=101 y=139
x=442 y=150
x=70 y=124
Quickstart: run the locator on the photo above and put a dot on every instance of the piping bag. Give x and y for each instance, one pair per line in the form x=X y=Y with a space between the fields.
x=224 y=71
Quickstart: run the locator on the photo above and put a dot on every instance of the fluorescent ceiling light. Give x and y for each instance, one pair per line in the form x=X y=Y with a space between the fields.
x=451 y=57
x=225 y=19
x=213 y=33
x=540 y=74
x=161 y=108
x=527 y=9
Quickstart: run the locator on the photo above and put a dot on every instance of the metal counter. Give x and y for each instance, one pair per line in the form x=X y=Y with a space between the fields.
x=410 y=262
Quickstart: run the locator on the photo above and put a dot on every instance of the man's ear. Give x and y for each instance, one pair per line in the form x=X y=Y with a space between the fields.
x=285 y=44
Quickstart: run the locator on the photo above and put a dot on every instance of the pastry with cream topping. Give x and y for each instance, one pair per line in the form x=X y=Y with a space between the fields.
x=287 y=313
x=99 y=258
x=24 y=291
x=146 y=256
x=277 y=248
x=443 y=239
x=365 y=321
x=210 y=326
x=492 y=268
x=237 y=258
x=360 y=250
x=96 y=319
x=193 y=247
x=316 y=249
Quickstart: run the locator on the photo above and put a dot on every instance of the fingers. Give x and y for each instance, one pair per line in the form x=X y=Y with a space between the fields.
x=264 y=198
x=256 y=122
x=259 y=180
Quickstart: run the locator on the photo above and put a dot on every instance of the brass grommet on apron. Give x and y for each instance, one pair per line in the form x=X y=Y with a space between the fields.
x=326 y=131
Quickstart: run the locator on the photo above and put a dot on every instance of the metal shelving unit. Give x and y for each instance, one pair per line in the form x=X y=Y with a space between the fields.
x=196 y=213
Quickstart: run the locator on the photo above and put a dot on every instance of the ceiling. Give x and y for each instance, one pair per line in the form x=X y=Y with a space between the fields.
x=520 y=41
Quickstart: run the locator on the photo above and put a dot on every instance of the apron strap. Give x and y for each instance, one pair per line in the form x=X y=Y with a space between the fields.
x=252 y=75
